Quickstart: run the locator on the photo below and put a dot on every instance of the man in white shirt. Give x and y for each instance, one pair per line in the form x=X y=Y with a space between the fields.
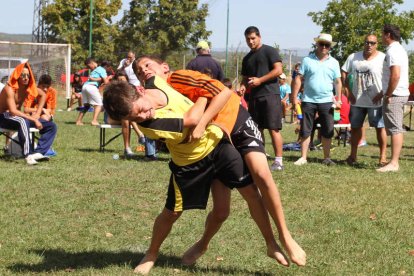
x=395 y=91
x=126 y=65
x=365 y=95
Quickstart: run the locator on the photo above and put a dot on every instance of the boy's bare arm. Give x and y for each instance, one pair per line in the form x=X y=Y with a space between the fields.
x=297 y=82
x=37 y=112
x=193 y=116
x=216 y=104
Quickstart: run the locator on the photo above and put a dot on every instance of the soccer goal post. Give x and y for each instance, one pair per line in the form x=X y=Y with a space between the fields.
x=44 y=58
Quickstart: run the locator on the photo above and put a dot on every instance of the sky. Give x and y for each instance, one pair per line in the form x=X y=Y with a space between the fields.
x=280 y=21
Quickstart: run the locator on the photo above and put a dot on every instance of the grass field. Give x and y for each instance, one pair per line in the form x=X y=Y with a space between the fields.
x=88 y=214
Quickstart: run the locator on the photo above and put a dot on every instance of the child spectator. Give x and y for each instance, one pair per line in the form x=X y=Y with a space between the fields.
x=284 y=94
x=227 y=82
x=48 y=110
x=90 y=91
x=76 y=91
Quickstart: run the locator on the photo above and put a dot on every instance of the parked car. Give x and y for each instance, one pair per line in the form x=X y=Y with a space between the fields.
x=84 y=73
x=7 y=65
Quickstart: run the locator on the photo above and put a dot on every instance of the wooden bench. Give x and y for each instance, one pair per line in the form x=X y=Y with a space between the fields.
x=340 y=129
x=102 y=135
x=32 y=132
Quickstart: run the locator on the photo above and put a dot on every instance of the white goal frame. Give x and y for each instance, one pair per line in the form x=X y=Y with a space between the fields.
x=67 y=58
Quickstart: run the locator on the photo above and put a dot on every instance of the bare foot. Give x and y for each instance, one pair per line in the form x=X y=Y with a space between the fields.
x=79 y=123
x=296 y=254
x=193 y=253
x=276 y=253
x=95 y=123
x=382 y=163
x=146 y=264
x=389 y=168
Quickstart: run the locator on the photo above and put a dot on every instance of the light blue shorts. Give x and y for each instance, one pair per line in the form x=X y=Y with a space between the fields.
x=357 y=116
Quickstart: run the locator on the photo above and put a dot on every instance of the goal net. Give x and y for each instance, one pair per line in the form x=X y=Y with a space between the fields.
x=44 y=58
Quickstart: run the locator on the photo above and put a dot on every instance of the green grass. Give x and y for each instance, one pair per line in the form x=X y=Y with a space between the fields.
x=54 y=217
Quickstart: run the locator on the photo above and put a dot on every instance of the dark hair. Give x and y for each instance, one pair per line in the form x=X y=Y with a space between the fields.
x=118 y=98
x=77 y=83
x=252 y=29
x=151 y=57
x=45 y=80
x=89 y=60
x=105 y=63
x=121 y=73
x=393 y=30
x=227 y=82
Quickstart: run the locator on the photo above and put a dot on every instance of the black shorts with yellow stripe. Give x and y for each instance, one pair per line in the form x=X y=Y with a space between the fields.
x=189 y=186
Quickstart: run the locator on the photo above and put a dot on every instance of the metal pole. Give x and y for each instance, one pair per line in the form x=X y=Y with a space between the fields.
x=227 y=37
x=90 y=27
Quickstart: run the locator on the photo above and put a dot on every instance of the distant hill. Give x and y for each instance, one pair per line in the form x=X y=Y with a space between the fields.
x=16 y=37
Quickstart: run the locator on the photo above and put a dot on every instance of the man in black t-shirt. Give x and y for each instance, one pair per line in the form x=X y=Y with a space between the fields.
x=261 y=68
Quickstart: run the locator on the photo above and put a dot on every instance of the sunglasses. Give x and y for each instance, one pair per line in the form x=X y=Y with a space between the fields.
x=24 y=75
x=324 y=45
x=370 y=43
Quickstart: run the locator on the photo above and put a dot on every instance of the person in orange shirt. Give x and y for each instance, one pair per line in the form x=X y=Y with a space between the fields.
x=49 y=109
x=224 y=110
x=32 y=104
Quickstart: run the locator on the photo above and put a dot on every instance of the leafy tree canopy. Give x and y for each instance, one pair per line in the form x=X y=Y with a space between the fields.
x=68 y=22
x=349 y=21
x=162 y=26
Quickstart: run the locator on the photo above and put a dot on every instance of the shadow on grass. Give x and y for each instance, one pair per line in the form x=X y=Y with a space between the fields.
x=55 y=260
x=95 y=150
x=9 y=157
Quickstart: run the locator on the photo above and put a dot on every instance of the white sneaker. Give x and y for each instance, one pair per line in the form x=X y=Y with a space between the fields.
x=39 y=157
x=30 y=160
x=128 y=153
x=301 y=161
x=276 y=166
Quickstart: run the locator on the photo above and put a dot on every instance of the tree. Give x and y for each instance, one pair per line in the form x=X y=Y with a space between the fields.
x=68 y=22
x=162 y=26
x=411 y=63
x=349 y=21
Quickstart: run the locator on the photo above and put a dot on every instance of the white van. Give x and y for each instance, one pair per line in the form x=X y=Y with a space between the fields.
x=7 y=65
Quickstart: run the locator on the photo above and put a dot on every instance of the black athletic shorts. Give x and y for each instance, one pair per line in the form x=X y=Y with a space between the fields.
x=189 y=185
x=246 y=136
x=266 y=111
x=325 y=113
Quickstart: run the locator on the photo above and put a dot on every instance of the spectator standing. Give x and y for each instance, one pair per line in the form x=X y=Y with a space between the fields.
x=205 y=63
x=365 y=95
x=320 y=71
x=395 y=91
x=126 y=65
x=284 y=93
x=90 y=91
x=261 y=68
